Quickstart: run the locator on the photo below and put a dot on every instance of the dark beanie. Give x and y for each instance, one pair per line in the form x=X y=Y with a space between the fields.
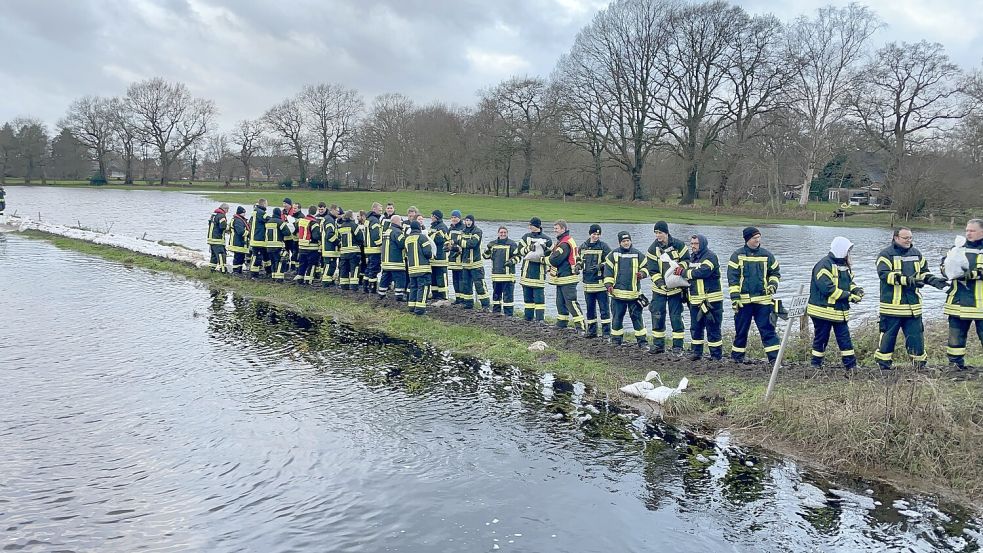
x=595 y=228
x=240 y=210
x=749 y=233
x=623 y=235
x=536 y=222
x=469 y=216
x=456 y=213
x=414 y=225
x=437 y=213
x=662 y=226
x=287 y=201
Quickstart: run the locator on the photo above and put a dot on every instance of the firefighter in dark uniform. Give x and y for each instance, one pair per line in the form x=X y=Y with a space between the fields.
x=592 y=254
x=257 y=241
x=372 y=248
x=533 y=276
x=666 y=300
x=329 y=247
x=504 y=254
x=706 y=300
x=964 y=303
x=902 y=271
x=454 y=253
x=276 y=229
x=472 y=267
x=288 y=214
x=753 y=275
x=831 y=292
x=624 y=269
x=3 y=200
x=386 y=218
x=218 y=227
x=349 y=251
x=393 y=262
x=309 y=246
x=419 y=252
x=562 y=261
x=438 y=234
x=239 y=246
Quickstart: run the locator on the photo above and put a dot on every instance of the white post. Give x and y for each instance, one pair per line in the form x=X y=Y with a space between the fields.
x=781 y=351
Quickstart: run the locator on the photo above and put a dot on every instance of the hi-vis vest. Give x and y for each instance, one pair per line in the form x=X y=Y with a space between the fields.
x=829 y=292
x=900 y=299
x=274 y=234
x=257 y=228
x=419 y=250
x=750 y=273
x=304 y=234
x=561 y=266
x=240 y=234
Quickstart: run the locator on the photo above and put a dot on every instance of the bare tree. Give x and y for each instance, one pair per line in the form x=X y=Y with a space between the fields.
x=581 y=112
x=8 y=150
x=246 y=143
x=168 y=118
x=125 y=132
x=905 y=92
x=621 y=46
x=286 y=121
x=387 y=135
x=825 y=49
x=757 y=73
x=693 y=66
x=524 y=105
x=333 y=111
x=89 y=120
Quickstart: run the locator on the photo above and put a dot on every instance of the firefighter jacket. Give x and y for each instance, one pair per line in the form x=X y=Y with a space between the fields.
x=218 y=226
x=753 y=275
x=620 y=270
x=349 y=240
x=240 y=234
x=470 y=243
x=257 y=227
x=385 y=221
x=439 y=234
x=656 y=267
x=329 y=236
x=372 y=234
x=504 y=254
x=703 y=273
x=902 y=273
x=592 y=256
x=276 y=230
x=965 y=298
x=831 y=289
x=562 y=260
x=454 y=237
x=392 y=249
x=308 y=234
x=419 y=251
x=534 y=270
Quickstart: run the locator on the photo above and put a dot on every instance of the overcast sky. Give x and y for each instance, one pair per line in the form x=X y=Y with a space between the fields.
x=249 y=54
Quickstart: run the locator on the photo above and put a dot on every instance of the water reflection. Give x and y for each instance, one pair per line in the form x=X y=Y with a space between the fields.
x=212 y=422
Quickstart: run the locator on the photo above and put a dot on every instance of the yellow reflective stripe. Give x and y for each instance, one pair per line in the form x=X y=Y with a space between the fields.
x=847 y=352
x=826 y=313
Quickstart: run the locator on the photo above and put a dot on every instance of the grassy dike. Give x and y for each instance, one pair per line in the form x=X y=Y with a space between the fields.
x=921 y=432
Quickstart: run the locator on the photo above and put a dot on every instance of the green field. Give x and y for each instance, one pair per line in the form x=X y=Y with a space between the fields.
x=498 y=208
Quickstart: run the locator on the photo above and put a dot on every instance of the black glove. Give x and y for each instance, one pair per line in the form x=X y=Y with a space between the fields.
x=936 y=282
x=858 y=291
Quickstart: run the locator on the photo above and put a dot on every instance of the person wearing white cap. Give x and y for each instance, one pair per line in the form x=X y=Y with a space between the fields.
x=830 y=294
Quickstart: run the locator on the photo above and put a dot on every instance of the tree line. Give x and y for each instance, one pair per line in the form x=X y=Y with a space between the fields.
x=655 y=99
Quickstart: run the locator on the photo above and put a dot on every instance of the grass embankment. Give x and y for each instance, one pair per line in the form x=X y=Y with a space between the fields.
x=498 y=208
x=921 y=431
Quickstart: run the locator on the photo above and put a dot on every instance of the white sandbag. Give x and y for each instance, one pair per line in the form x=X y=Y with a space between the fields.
x=538 y=345
x=658 y=394
x=673 y=280
x=538 y=250
x=956 y=264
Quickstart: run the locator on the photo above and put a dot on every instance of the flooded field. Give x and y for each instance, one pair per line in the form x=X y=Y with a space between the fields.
x=183 y=218
x=142 y=411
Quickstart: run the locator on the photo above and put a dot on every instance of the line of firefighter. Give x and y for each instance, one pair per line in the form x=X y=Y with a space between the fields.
x=379 y=249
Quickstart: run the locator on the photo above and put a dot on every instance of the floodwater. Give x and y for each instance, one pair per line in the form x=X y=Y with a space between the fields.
x=143 y=411
x=182 y=218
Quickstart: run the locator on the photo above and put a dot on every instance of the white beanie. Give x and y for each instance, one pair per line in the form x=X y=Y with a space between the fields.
x=840 y=247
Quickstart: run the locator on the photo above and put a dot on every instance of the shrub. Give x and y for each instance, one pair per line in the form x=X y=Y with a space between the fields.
x=287 y=183
x=97 y=180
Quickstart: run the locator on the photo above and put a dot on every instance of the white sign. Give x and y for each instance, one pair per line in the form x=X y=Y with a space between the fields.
x=796 y=307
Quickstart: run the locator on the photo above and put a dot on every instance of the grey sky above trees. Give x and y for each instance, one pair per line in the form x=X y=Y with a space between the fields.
x=245 y=55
